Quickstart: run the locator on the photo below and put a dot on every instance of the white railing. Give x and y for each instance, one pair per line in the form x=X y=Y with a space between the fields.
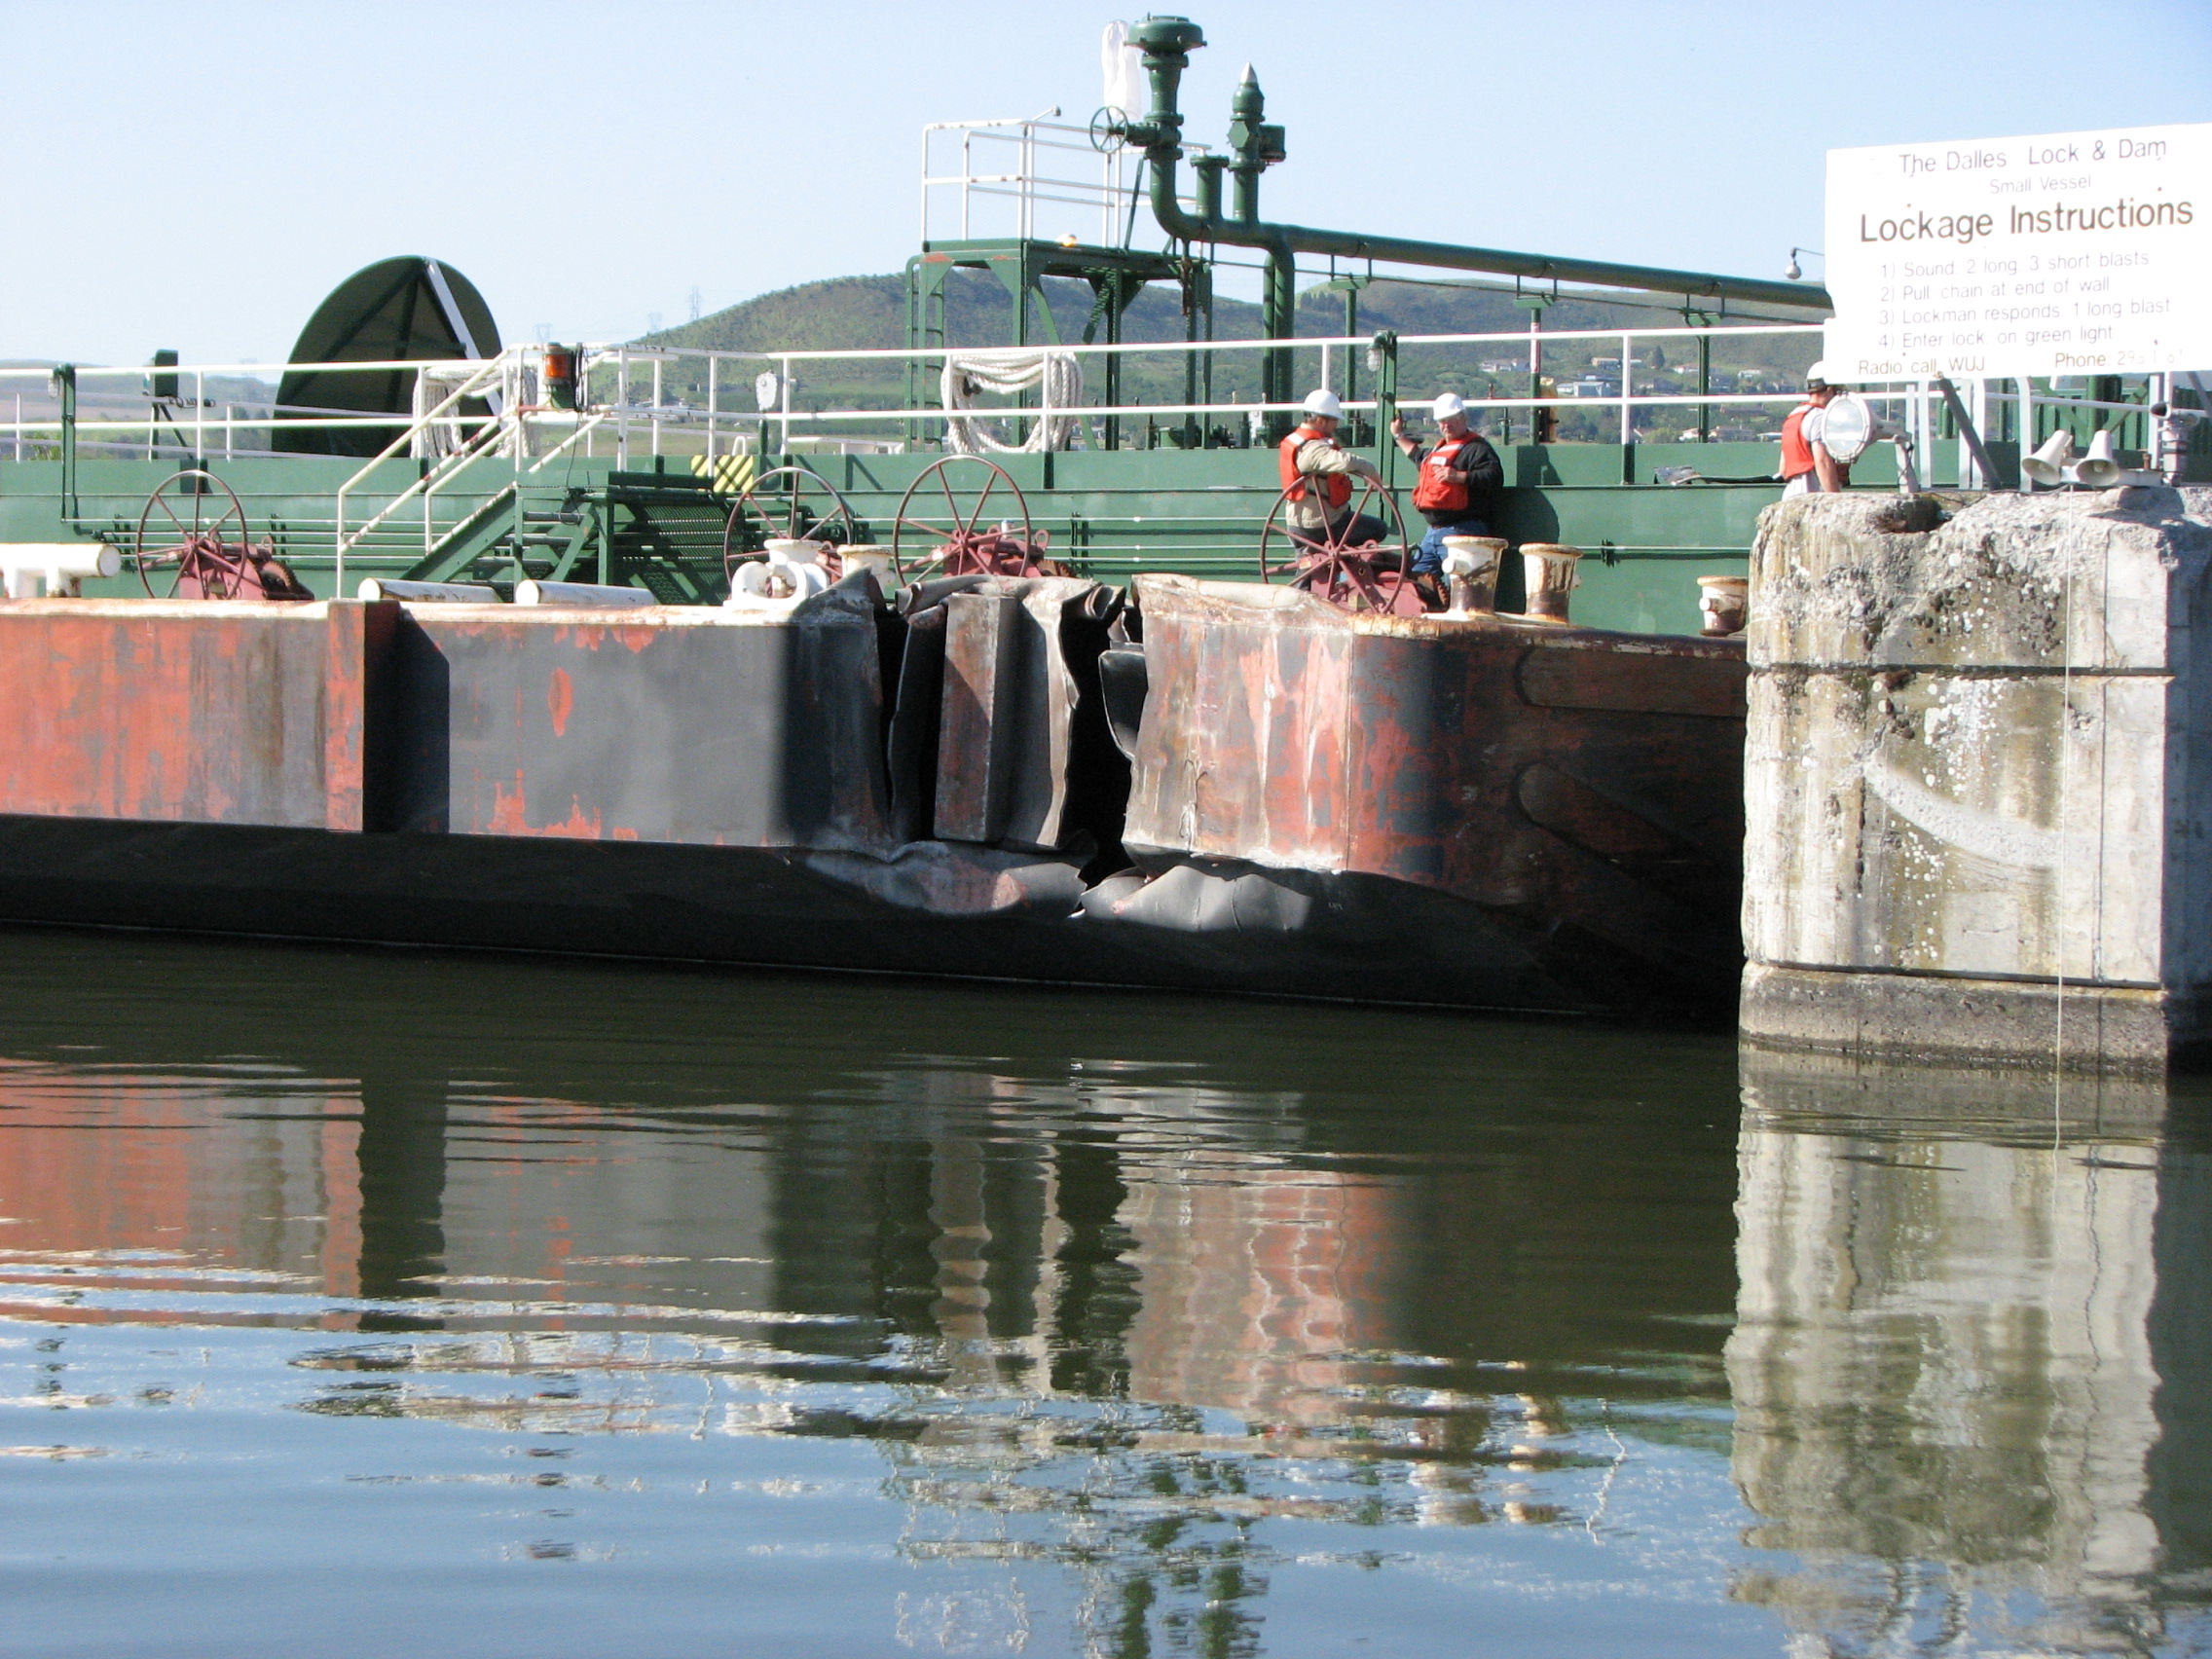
x=123 y=422
x=473 y=445
x=1026 y=176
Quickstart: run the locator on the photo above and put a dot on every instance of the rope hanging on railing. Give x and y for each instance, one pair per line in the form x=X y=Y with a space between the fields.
x=1006 y=373
x=517 y=389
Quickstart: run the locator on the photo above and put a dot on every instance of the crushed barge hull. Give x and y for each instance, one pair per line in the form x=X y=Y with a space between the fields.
x=815 y=790
x=1358 y=937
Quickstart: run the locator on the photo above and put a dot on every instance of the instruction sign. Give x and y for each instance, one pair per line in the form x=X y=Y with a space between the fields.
x=2073 y=254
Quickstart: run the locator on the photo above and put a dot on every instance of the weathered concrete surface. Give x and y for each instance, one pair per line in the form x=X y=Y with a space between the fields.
x=1978 y=779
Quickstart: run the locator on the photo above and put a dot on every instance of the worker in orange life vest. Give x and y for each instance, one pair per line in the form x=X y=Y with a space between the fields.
x=1459 y=480
x=1807 y=467
x=1318 y=476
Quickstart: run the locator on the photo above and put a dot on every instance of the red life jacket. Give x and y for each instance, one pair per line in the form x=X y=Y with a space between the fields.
x=1796 y=452
x=1293 y=480
x=1430 y=491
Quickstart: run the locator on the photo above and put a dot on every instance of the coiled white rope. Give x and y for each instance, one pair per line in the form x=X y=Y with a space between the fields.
x=1002 y=373
x=517 y=389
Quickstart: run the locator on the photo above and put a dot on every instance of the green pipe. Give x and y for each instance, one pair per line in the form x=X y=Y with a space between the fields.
x=1167 y=43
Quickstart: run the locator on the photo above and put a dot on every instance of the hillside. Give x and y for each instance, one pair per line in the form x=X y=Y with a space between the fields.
x=868 y=312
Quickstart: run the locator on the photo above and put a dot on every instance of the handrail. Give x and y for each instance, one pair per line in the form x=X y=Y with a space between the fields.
x=583 y=428
x=474 y=385
x=1109 y=195
x=116 y=423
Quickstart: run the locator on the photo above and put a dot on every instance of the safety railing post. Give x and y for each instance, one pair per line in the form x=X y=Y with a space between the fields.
x=1703 y=384
x=65 y=384
x=714 y=379
x=1628 y=425
x=1044 y=409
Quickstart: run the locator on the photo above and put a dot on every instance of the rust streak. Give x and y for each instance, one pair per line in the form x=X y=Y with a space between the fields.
x=561 y=701
x=510 y=816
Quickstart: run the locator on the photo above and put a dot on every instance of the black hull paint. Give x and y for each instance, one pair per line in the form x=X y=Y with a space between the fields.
x=933 y=910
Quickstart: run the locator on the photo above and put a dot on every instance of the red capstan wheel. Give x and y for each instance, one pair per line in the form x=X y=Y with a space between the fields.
x=793 y=504
x=943 y=529
x=1364 y=575
x=193 y=527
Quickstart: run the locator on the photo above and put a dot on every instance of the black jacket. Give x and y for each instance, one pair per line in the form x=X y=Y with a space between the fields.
x=1486 y=481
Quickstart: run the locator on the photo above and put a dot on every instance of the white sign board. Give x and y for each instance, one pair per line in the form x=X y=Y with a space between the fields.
x=2075 y=253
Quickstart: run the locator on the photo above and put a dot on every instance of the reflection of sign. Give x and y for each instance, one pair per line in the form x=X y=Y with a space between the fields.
x=2077 y=254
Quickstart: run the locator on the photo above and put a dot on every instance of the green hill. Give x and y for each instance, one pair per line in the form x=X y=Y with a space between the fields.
x=870 y=312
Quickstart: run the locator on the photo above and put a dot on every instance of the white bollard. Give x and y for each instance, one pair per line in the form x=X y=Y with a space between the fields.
x=60 y=565
x=586 y=595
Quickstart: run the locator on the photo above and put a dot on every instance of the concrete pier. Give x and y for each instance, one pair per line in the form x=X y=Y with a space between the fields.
x=1978 y=779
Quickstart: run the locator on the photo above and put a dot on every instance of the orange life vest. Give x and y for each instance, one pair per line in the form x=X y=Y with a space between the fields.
x=1431 y=491
x=1294 y=481
x=1796 y=452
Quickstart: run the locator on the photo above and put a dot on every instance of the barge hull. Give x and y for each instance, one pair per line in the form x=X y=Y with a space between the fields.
x=928 y=910
x=1467 y=814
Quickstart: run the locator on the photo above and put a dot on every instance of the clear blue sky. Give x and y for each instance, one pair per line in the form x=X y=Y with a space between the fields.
x=200 y=174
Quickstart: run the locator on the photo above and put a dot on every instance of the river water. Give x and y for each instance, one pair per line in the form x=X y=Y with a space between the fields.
x=373 y=1303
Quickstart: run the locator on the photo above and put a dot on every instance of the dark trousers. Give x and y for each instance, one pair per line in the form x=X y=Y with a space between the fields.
x=1355 y=531
x=1432 y=555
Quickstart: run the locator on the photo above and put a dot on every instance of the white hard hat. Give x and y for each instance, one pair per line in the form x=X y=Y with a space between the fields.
x=1325 y=402
x=1817 y=375
x=1449 y=405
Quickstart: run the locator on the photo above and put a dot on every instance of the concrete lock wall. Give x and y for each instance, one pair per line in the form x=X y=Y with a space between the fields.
x=1978 y=779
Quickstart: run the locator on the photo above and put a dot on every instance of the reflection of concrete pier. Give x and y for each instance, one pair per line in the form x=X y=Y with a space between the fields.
x=1969 y=1371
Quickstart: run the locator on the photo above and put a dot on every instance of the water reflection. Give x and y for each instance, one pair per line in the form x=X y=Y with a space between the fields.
x=1970 y=1358
x=817 y=1317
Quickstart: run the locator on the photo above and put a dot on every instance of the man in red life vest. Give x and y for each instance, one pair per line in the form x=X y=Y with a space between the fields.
x=1459 y=480
x=1807 y=467
x=1318 y=476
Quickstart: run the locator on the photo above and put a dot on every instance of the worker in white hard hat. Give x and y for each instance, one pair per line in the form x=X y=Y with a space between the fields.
x=1318 y=476
x=1460 y=477
x=1807 y=467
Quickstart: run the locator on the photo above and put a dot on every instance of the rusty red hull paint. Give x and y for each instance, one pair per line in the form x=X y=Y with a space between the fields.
x=1396 y=809
x=1588 y=783
x=208 y=713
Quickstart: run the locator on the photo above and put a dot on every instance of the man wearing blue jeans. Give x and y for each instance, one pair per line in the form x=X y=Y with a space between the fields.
x=1459 y=480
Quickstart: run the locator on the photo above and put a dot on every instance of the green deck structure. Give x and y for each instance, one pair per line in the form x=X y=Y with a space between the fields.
x=659 y=524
